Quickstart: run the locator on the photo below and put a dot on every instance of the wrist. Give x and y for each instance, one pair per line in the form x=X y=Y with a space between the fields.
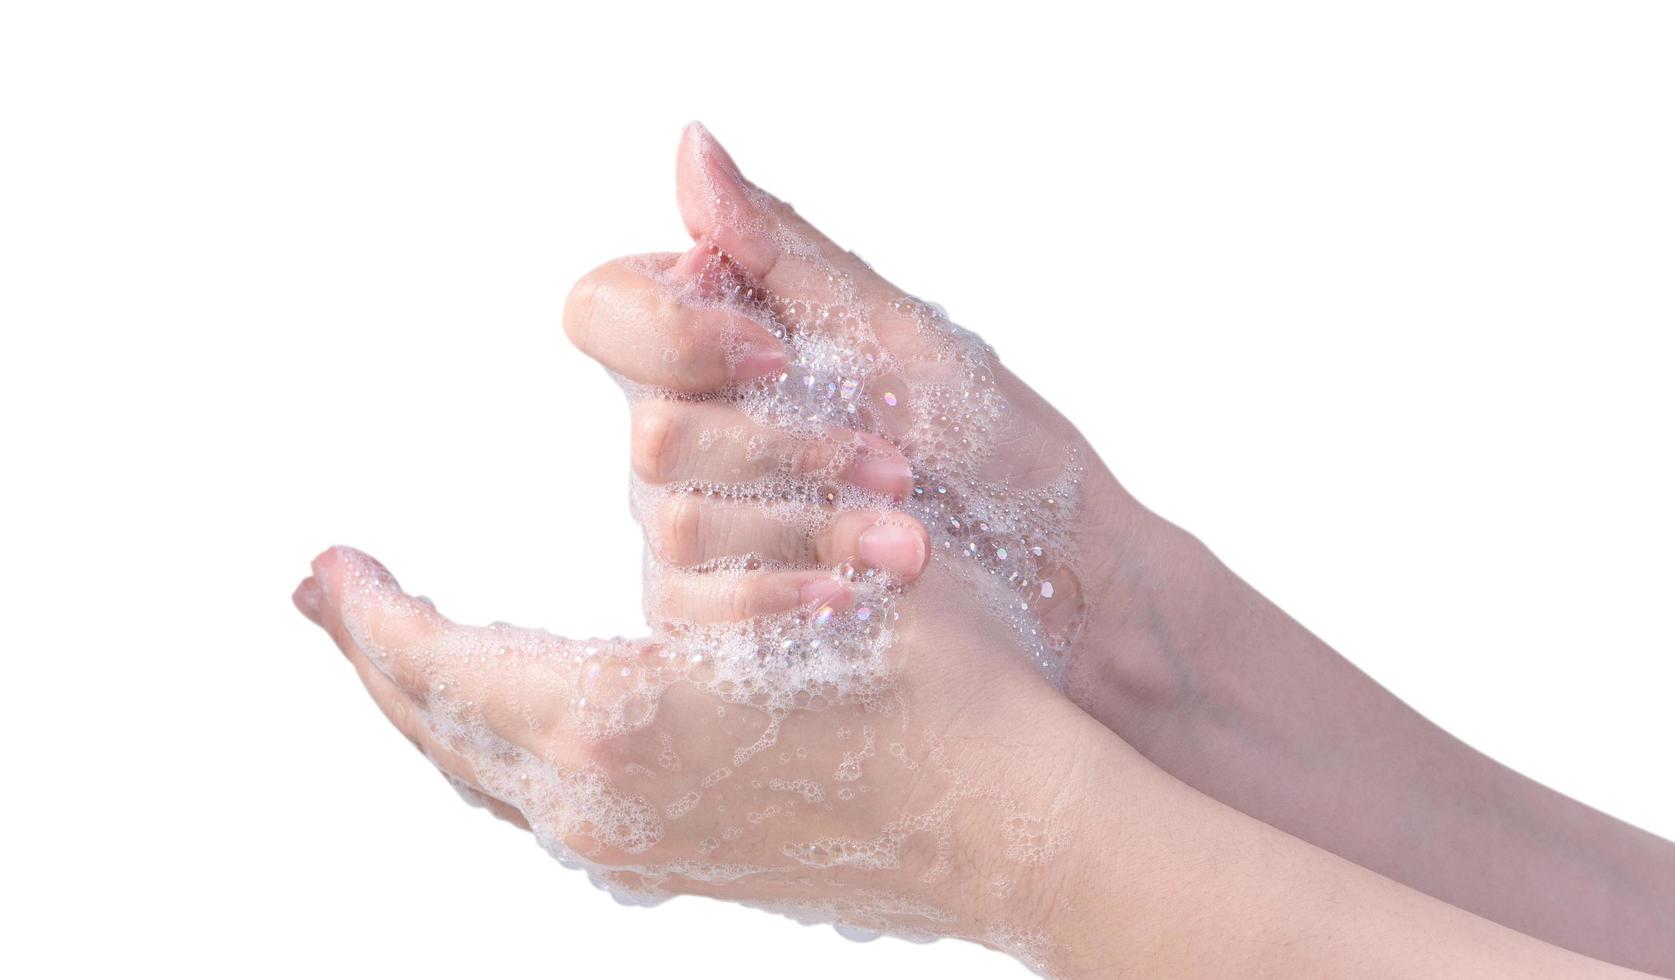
x=1161 y=608
x=1033 y=862
x=1057 y=915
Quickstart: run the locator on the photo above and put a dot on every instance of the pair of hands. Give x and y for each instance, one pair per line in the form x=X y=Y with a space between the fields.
x=825 y=721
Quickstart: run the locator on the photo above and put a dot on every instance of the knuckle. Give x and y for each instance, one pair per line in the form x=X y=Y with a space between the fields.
x=655 y=445
x=814 y=458
x=798 y=544
x=698 y=362
x=582 y=752
x=749 y=598
x=579 y=307
x=833 y=543
x=401 y=715
x=679 y=527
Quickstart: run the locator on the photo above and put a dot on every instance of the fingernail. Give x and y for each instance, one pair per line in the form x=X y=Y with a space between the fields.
x=886 y=474
x=760 y=362
x=893 y=548
x=820 y=592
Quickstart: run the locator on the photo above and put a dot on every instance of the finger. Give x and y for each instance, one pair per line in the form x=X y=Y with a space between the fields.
x=529 y=688
x=738 y=225
x=359 y=603
x=693 y=529
x=619 y=315
x=501 y=810
x=758 y=232
x=502 y=676
x=703 y=598
x=711 y=442
x=402 y=684
x=405 y=715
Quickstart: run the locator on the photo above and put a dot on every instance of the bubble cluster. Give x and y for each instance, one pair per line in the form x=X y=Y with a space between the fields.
x=925 y=386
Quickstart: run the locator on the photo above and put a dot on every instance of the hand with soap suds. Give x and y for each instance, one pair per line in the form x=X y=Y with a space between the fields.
x=838 y=374
x=875 y=563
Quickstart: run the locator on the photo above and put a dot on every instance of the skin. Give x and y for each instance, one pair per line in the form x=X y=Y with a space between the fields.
x=1232 y=696
x=1153 y=876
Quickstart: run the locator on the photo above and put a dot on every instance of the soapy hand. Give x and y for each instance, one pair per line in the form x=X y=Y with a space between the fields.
x=876 y=564
x=861 y=593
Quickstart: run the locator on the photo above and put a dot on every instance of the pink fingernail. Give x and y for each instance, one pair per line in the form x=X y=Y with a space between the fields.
x=760 y=363
x=894 y=548
x=886 y=474
x=820 y=592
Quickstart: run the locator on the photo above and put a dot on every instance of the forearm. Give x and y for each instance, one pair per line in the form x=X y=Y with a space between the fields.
x=1226 y=692
x=1172 y=883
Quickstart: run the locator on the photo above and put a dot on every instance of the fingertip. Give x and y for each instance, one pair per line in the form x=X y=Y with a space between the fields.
x=700 y=145
x=718 y=205
x=307 y=600
x=359 y=599
x=340 y=567
x=578 y=308
x=699 y=183
x=327 y=566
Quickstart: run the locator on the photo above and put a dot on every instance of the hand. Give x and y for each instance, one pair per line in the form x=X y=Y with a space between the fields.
x=825 y=722
x=774 y=374
x=791 y=406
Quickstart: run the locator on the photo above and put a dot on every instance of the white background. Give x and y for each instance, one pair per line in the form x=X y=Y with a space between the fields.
x=1373 y=298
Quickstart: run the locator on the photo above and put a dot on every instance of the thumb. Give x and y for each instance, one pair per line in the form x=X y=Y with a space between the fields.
x=479 y=687
x=725 y=213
